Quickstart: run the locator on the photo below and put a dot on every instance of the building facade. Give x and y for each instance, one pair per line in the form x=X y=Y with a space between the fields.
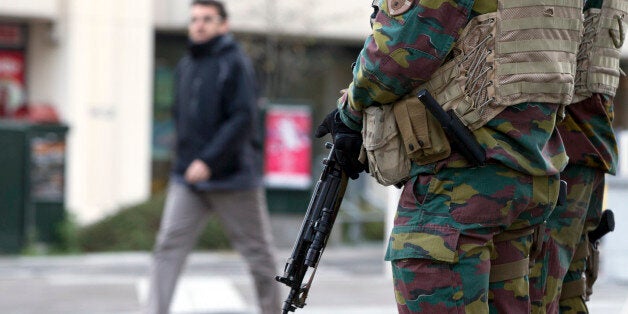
x=106 y=67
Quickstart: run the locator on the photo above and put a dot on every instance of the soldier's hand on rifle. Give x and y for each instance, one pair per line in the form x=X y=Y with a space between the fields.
x=347 y=143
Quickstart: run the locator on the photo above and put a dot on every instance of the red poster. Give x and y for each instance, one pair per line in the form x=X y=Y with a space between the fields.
x=288 y=147
x=11 y=81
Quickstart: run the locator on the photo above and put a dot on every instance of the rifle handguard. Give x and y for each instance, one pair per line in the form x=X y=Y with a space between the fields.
x=315 y=230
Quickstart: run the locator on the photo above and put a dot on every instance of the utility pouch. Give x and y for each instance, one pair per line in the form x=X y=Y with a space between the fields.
x=387 y=159
x=592 y=268
x=423 y=137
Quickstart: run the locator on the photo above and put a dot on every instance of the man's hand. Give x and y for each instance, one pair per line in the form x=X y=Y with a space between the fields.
x=197 y=172
x=347 y=143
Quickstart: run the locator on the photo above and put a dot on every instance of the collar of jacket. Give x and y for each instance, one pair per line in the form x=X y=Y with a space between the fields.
x=212 y=46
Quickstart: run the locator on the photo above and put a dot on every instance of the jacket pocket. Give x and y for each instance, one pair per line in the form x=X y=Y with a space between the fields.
x=432 y=242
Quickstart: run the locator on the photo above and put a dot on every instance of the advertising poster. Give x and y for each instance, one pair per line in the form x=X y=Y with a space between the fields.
x=11 y=81
x=47 y=168
x=288 y=147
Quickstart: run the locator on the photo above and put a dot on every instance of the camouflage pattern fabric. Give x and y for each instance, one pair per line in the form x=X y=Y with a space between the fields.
x=566 y=227
x=442 y=246
x=532 y=146
x=588 y=135
x=590 y=142
x=402 y=53
x=591 y=221
x=592 y=149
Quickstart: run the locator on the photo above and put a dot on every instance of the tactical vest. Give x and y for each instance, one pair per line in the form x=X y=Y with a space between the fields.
x=599 y=54
x=524 y=52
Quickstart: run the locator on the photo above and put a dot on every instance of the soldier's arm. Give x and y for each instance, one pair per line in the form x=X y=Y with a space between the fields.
x=410 y=40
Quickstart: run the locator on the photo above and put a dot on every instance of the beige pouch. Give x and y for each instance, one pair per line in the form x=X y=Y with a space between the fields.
x=387 y=159
x=423 y=137
x=592 y=269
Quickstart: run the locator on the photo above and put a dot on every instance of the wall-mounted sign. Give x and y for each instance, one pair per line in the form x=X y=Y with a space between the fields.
x=288 y=147
x=12 y=68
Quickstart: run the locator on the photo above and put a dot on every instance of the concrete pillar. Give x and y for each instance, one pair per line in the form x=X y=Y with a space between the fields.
x=96 y=66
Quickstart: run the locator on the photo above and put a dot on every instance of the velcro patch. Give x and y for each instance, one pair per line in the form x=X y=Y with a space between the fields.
x=398 y=7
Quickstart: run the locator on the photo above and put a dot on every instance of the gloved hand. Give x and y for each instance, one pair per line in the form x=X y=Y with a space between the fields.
x=347 y=143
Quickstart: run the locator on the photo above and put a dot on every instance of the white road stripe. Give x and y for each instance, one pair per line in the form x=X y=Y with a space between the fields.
x=201 y=295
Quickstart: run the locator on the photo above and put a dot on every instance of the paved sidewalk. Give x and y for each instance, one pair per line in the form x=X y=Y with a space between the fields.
x=350 y=280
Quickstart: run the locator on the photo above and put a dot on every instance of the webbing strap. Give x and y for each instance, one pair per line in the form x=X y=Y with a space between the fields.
x=404 y=118
x=474 y=118
x=582 y=251
x=535 y=67
x=601 y=78
x=609 y=23
x=541 y=22
x=537 y=45
x=537 y=242
x=527 y=3
x=573 y=289
x=605 y=61
x=529 y=88
x=512 y=270
x=604 y=42
x=620 y=5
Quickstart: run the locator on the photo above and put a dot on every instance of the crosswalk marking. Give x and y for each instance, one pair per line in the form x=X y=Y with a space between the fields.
x=201 y=295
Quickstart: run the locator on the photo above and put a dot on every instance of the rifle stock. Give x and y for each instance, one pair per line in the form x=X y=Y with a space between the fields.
x=314 y=233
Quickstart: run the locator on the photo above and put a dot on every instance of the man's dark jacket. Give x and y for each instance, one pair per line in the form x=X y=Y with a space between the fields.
x=215 y=115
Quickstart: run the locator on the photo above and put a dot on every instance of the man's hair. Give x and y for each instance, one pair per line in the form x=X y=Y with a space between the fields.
x=213 y=3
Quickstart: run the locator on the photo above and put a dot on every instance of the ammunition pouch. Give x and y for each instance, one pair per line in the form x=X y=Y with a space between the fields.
x=387 y=159
x=423 y=137
x=583 y=287
x=592 y=268
x=396 y=134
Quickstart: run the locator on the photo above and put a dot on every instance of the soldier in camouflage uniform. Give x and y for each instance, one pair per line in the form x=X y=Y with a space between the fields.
x=463 y=236
x=557 y=281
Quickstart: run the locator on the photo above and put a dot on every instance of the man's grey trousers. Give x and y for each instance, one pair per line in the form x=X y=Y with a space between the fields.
x=244 y=218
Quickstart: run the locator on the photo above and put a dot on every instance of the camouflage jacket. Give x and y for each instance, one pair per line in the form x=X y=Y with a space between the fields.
x=409 y=41
x=587 y=129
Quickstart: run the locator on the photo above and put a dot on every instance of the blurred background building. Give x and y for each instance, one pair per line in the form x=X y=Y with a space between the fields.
x=106 y=68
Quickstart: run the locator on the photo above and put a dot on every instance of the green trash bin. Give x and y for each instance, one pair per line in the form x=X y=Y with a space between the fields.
x=32 y=167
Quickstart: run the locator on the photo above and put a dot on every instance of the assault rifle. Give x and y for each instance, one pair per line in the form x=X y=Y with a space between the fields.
x=315 y=230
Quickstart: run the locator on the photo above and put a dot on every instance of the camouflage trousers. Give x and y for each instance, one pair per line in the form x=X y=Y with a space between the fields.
x=462 y=238
x=560 y=268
